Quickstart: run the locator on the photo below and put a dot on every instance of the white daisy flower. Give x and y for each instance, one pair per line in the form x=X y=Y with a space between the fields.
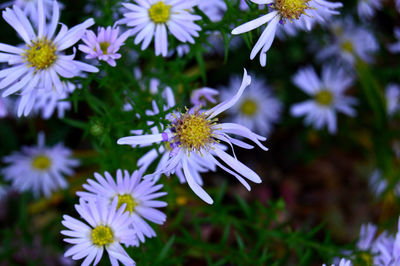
x=306 y=11
x=201 y=96
x=106 y=228
x=257 y=109
x=138 y=195
x=395 y=47
x=41 y=61
x=214 y=9
x=198 y=132
x=328 y=96
x=152 y=18
x=198 y=164
x=392 y=95
x=105 y=45
x=366 y=8
x=45 y=103
x=352 y=43
x=39 y=169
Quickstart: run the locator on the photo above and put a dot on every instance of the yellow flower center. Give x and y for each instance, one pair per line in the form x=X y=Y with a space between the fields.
x=159 y=12
x=104 y=46
x=193 y=131
x=249 y=107
x=366 y=259
x=130 y=202
x=291 y=9
x=40 y=54
x=348 y=46
x=102 y=235
x=324 y=97
x=41 y=162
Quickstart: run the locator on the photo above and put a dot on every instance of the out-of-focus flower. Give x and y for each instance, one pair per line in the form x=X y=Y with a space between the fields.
x=152 y=19
x=39 y=169
x=378 y=184
x=257 y=109
x=343 y=262
x=105 y=45
x=201 y=96
x=3 y=108
x=305 y=12
x=392 y=95
x=214 y=9
x=395 y=47
x=106 y=227
x=198 y=132
x=139 y=196
x=29 y=8
x=45 y=103
x=40 y=63
x=388 y=250
x=366 y=8
x=351 y=43
x=328 y=96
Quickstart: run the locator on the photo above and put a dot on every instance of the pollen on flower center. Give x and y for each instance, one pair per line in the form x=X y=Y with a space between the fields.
x=291 y=9
x=40 y=54
x=159 y=12
x=41 y=162
x=104 y=47
x=102 y=235
x=193 y=131
x=130 y=202
x=324 y=97
x=249 y=107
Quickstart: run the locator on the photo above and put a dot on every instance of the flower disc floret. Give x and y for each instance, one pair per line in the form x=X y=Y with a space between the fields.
x=104 y=47
x=41 y=54
x=193 y=131
x=324 y=97
x=129 y=201
x=292 y=9
x=249 y=107
x=102 y=235
x=159 y=12
x=41 y=162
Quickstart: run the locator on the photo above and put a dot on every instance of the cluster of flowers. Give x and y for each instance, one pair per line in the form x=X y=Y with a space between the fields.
x=41 y=73
x=376 y=249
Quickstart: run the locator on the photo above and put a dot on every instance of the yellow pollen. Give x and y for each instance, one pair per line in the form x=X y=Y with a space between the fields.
x=348 y=46
x=249 y=107
x=102 y=235
x=193 y=131
x=41 y=162
x=291 y=9
x=130 y=202
x=159 y=12
x=324 y=97
x=104 y=46
x=40 y=54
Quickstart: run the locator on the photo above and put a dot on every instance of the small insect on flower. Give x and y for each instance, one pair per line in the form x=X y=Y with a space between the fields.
x=150 y=18
x=139 y=196
x=197 y=132
x=105 y=45
x=106 y=227
x=39 y=169
x=257 y=109
x=40 y=62
x=328 y=96
x=307 y=12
